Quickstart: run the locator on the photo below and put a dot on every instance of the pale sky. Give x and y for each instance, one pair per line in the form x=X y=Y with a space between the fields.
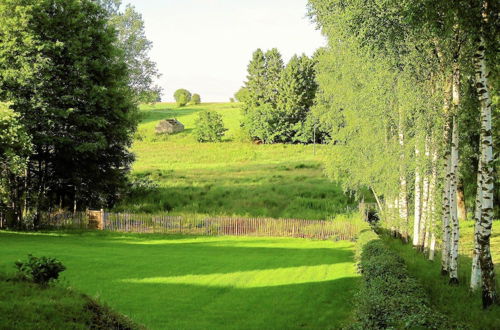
x=205 y=45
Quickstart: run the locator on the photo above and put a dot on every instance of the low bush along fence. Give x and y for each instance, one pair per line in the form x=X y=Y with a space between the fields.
x=340 y=228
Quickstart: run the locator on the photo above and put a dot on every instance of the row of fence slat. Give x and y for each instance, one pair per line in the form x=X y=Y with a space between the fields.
x=235 y=226
x=197 y=225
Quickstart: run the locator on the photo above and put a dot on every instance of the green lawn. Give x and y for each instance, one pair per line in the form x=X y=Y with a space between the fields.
x=235 y=177
x=185 y=282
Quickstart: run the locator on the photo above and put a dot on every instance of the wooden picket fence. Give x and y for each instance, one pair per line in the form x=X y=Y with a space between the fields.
x=211 y=226
x=234 y=226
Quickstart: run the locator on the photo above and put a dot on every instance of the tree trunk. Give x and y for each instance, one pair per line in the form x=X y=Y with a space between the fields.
x=486 y=144
x=445 y=249
x=432 y=205
x=455 y=226
x=475 y=278
x=403 y=195
x=418 y=202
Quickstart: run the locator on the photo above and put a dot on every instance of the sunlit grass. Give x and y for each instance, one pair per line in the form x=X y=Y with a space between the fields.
x=186 y=282
x=232 y=178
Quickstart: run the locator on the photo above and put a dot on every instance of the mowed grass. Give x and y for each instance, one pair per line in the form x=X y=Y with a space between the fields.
x=186 y=282
x=232 y=178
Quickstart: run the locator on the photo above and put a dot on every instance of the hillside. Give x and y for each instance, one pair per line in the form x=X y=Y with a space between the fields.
x=235 y=177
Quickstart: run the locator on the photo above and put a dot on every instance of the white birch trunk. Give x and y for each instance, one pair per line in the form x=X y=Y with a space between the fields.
x=445 y=249
x=432 y=205
x=475 y=278
x=403 y=195
x=418 y=202
x=455 y=227
x=485 y=224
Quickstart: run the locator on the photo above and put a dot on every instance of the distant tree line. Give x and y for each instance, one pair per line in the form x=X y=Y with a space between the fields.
x=71 y=75
x=277 y=98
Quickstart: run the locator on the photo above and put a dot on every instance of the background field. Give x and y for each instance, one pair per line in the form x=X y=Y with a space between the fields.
x=188 y=282
x=235 y=177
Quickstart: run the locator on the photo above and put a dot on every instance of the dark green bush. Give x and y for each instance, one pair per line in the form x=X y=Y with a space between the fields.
x=389 y=297
x=40 y=270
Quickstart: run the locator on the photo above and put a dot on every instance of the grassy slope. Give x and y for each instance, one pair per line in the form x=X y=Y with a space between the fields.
x=25 y=305
x=203 y=282
x=229 y=178
x=457 y=302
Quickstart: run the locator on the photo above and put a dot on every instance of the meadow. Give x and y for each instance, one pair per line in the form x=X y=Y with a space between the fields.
x=189 y=282
x=231 y=178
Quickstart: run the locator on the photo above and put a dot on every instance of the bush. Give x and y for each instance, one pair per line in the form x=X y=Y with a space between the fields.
x=182 y=97
x=40 y=270
x=389 y=297
x=196 y=99
x=209 y=127
x=231 y=99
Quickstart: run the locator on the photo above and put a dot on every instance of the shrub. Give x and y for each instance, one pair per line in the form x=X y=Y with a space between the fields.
x=196 y=99
x=182 y=97
x=142 y=185
x=231 y=99
x=40 y=270
x=242 y=94
x=389 y=297
x=209 y=127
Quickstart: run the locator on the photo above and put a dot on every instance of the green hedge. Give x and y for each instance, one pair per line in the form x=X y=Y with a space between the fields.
x=389 y=297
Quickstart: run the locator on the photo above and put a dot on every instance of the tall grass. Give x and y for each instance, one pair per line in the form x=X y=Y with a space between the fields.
x=455 y=301
x=232 y=178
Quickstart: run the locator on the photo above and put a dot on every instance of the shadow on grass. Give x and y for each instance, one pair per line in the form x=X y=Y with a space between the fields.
x=154 y=255
x=220 y=282
x=314 y=305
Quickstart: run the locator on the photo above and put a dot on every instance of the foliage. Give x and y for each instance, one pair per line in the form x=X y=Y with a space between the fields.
x=389 y=297
x=131 y=38
x=40 y=270
x=214 y=275
x=142 y=185
x=81 y=114
x=15 y=148
x=196 y=99
x=459 y=303
x=209 y=127
x=182 y=97
x=242 y=94
x=279 y=97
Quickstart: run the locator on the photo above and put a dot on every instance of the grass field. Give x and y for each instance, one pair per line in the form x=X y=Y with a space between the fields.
x=457 y=302
x=185 y=282
x=235 y=177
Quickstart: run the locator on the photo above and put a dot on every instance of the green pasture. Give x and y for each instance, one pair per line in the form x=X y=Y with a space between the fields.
x=232 y=178
x=186 y=282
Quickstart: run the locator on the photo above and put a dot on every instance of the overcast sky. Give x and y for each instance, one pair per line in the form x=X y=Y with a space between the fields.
x=205 y=45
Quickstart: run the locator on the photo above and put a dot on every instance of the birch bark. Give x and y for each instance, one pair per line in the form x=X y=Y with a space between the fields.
x=485 y=223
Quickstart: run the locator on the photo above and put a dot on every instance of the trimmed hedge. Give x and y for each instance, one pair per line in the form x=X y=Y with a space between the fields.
x=389 y=297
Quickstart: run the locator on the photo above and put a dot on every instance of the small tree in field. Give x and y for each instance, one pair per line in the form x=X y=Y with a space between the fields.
x=182 y=97
x=209 y=127
x=196 y=99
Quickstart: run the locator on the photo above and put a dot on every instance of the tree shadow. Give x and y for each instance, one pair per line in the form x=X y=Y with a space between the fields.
x=314 y=305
